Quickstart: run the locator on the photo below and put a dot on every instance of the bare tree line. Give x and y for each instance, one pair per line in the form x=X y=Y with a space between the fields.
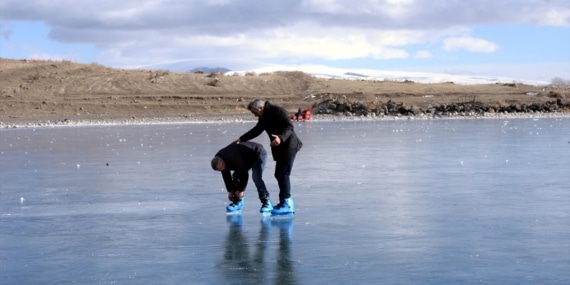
x=559 y=82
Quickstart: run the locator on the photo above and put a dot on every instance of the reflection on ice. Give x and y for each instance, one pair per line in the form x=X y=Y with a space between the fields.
x=268 y=258
x=394 y=202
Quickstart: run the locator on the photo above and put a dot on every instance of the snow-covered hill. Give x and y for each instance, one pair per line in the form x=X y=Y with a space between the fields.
x=381 y=75
x=359 y=74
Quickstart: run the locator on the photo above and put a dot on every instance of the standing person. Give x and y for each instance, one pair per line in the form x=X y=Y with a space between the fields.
x=285 y=144
x=240 y=158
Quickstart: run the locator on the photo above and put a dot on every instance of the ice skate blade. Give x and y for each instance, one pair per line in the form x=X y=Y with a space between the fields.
x=233 y=213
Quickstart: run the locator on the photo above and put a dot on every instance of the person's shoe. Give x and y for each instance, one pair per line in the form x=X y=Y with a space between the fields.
x=285 y=208
x=266 y=207
x=235 y=207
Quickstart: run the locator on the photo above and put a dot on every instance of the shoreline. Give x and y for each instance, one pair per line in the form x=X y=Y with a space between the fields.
x=46 y=122
x=46 y=93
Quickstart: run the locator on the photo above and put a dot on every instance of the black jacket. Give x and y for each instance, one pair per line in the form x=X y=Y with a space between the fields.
x=239 y=158
x=275 y=121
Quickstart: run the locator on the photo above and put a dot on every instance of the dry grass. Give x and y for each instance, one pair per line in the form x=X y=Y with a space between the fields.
x=34 y=88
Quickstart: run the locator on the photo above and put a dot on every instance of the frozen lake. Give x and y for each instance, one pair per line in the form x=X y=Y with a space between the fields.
x=377 y=202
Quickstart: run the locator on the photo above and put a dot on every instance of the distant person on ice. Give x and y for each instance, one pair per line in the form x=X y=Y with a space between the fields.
x=285 y=144
x=235 y=161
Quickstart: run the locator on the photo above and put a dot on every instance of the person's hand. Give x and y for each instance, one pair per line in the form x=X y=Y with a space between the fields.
x=237 y=141
x=235 y=196
x=276 y=140
x=238 y=195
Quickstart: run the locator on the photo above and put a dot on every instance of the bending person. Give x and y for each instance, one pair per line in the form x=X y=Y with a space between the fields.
x=235 y=161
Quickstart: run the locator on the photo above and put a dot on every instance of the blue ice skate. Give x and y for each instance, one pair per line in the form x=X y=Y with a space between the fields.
x=234 y=208
x=285 y=209
x=266 y=208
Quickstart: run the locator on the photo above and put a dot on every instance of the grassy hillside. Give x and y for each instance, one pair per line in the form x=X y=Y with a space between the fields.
x=35 y=88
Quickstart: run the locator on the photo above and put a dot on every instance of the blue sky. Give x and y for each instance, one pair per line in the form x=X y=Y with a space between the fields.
x=523 y=39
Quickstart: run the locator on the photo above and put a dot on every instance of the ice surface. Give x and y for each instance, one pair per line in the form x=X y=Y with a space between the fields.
x=377 y=202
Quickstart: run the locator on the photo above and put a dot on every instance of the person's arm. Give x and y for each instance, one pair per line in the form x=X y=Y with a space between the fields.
x=253 y=133
x=284 y=124
x=228 y=181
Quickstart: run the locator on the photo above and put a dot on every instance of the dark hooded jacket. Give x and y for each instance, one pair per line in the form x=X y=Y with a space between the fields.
x=239 y=158
x=275 y=121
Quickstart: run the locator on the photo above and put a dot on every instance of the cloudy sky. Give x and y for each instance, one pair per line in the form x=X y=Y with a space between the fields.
x=524 y=39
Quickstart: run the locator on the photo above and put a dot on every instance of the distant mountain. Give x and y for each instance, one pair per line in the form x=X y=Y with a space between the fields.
x=184 y=66
x=210 y=69
x=355 y=74
x=322 y=71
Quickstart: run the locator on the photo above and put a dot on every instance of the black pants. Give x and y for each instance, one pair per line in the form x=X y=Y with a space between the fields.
x=283 y=169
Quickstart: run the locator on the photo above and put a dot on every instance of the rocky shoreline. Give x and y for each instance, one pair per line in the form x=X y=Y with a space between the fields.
x=463 y=109
x=325 y=110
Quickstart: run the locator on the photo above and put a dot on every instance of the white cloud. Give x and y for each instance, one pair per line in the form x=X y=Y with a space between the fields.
x=555 y=18
x=423 y=54
x=400 y=2
x=138 y=32
x=302 y=40
x=324 y=6
x=218 y=2
x=470 y=44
